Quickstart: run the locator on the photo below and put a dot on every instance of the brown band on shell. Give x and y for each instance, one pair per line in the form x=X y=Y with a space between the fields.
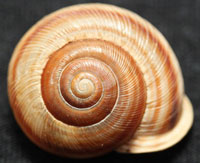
x=90 y=59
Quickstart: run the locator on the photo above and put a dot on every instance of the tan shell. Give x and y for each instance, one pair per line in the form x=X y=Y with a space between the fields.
x=92 y=78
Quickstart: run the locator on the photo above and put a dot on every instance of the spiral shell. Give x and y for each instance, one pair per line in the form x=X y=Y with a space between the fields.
x=91 y=78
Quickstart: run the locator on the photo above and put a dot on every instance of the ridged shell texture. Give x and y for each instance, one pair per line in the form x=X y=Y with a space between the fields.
x=89 y=78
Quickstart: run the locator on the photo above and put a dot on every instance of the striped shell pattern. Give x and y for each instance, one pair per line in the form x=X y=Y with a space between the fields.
x=92 y=78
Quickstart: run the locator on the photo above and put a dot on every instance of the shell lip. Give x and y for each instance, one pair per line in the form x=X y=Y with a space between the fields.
x=166 y=140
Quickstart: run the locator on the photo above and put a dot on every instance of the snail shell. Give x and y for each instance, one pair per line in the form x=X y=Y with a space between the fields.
x=92 y=78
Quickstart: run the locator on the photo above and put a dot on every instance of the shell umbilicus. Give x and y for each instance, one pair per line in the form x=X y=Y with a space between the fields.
x=92 y=78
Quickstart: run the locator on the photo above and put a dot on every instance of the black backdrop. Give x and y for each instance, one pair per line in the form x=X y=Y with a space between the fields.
x=178 y=20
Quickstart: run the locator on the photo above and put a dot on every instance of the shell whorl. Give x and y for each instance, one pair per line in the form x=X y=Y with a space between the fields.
x=98 y=67
x=85 y=78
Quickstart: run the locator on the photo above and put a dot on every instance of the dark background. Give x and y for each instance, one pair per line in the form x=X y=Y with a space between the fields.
x=178 y=20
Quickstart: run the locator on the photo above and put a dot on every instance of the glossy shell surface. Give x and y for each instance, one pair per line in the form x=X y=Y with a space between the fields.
x=91 y=78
